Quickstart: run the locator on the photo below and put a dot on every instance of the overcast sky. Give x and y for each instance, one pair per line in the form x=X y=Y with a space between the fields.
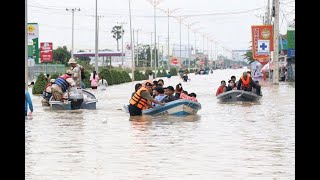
x=230 y=26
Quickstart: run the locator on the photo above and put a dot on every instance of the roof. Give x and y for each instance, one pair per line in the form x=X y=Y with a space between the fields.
x=101 y=53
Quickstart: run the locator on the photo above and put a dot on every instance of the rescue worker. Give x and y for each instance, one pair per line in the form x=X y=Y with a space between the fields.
x=76 y=68
x=142 y=99
x=246 y=83
x=61 y=85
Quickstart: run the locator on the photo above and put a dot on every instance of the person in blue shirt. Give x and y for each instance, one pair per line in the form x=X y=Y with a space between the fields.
x=28 y=103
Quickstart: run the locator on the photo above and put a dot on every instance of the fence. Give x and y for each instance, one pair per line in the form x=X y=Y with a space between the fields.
x=34 y=71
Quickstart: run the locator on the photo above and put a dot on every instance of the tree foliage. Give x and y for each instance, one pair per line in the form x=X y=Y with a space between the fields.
x=117 y=32
x=61 y=55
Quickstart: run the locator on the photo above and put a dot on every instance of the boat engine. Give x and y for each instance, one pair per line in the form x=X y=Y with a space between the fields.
x=75 y=97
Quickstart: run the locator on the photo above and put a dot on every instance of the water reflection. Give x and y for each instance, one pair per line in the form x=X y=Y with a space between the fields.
x=241 y=140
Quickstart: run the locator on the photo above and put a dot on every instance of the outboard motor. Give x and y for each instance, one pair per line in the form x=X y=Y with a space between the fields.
x=75 y=97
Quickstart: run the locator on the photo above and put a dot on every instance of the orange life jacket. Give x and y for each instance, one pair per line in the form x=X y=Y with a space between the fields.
x=245 y=82
x=138 y=100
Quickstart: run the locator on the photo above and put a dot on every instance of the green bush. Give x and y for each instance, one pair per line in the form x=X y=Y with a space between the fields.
x=40 y=84
x=164 y=73
x=173 y=71
x=126 y=76
x=191 y=70
x=86 y=80
x=138 y=76
x=54 y=76
x=106 y=73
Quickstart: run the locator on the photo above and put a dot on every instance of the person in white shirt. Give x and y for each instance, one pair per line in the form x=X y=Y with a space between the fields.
x=103 y=83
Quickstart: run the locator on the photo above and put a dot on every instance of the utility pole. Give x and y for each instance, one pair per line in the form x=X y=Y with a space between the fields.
x=26 y=43
x=151 y=51
x=96 y=46
x=158 y=50
x=132 y=53
x=72 y=11
x=268 y=13
x=275 y=47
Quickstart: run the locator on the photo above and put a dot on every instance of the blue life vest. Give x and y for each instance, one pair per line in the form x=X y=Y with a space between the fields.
x=62 y=83
x=46 y=95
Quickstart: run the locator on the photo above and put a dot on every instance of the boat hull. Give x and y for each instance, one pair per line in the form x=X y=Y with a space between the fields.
x=179 y=107
x=238 y=95
x=88 y=103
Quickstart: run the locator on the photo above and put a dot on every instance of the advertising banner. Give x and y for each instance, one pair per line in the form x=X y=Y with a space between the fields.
x=262 y=42
x=46 y=52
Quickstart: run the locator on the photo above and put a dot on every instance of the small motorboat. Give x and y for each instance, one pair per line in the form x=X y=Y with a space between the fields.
x=78 y=99
x=238 y=95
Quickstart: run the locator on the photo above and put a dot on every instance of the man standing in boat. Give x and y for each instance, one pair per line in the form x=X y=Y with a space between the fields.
x=246 y=83
x=142 y=100
x=76 y=68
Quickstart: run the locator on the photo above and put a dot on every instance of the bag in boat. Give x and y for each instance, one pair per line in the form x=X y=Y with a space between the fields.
x=76 y=97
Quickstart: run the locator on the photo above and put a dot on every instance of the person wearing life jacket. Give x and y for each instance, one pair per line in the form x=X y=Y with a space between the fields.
x=46 y=93
x=222 y=88
x=142 y=99
x=246 y=83
x=61 y=85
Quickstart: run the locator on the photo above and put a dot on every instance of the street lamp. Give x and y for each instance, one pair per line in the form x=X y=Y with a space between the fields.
x=180 y=19
x=189 y=25
x=168 y=13
x=72 y=11
x=155 y=3
x=137 y=61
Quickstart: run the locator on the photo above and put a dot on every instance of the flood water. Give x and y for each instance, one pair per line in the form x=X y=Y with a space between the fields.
x=223 y=141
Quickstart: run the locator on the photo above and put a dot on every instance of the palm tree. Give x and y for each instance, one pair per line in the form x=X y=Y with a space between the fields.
x=117 y=34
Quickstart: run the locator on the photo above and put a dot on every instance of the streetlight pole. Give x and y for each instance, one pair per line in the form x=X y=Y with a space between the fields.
x=132 y=53
x=180 y=19
x=72 y=11
x=122 y=33
x=189 y=25
x=155 y=3
x=168 y=13
x=137 y=61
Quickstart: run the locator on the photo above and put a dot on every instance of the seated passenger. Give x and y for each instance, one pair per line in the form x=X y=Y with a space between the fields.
x=178 y=90
x=184 y=95
x=222 y=88
x=159 y=95
x=170 y=97
x=231 y=85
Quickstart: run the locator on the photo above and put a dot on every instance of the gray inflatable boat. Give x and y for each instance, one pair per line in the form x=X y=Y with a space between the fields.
x=238 y=95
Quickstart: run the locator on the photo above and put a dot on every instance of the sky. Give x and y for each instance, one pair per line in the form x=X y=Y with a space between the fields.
x=227 y=22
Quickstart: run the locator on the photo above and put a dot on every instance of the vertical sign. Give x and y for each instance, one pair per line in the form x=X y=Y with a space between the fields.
x=46 y=52
x=33 y=34
x=262 y=42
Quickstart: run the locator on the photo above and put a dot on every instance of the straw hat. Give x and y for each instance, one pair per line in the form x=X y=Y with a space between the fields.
x=71 y=60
